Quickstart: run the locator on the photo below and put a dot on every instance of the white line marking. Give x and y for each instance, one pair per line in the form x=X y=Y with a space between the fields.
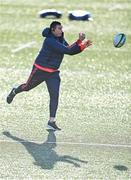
x=94 y=144
x=23 y=46
x=72 y=143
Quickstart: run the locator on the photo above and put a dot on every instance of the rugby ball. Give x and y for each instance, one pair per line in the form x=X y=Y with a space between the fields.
x=119 y=40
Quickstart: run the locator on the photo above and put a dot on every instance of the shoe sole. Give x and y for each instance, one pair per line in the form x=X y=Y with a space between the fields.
x=50 y=128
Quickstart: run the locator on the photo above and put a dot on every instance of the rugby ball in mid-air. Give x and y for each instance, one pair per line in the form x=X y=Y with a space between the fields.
x=119 y=40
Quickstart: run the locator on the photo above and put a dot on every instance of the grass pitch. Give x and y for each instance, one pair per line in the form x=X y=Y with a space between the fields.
x=95 y=101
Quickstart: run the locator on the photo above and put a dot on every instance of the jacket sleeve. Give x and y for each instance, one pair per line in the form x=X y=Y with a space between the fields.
x=58 y=47
x=65 y=43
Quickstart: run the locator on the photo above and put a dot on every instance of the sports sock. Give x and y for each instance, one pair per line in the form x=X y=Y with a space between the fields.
x=52 y=119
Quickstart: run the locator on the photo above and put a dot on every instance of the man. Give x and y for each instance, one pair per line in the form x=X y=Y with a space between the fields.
x=46 y=66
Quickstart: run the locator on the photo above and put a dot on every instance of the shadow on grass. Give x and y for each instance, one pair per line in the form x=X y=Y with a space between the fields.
x=121 y=168
x=44 y=154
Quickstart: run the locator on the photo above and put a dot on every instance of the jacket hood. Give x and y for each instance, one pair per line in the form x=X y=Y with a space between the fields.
x=46 y=32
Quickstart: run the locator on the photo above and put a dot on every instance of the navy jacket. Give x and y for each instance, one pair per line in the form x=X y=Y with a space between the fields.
x=53 y=50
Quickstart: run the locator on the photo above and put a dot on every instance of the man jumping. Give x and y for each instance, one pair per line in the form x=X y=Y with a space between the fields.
x=46 y=65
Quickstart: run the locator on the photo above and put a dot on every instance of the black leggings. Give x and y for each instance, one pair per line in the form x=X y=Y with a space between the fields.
x=53 y=84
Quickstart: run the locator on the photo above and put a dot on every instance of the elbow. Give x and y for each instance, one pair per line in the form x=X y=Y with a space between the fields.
x=71 y=53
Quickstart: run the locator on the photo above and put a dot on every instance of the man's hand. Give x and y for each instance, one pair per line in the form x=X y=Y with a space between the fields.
x=81 y=36
x=84 y=44
x=87 y=43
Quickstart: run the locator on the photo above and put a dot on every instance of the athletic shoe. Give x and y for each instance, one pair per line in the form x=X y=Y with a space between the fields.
x=11 y=96
x=52 y=126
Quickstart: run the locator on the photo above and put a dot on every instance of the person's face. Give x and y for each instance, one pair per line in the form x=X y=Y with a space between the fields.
x=57 y=31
